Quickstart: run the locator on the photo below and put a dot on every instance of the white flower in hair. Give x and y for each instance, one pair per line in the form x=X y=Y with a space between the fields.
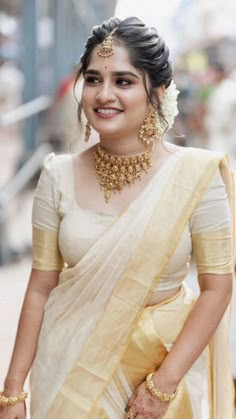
x=169 y=106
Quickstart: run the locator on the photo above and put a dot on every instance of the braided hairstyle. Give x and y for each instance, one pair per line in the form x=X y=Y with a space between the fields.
x=147 y=51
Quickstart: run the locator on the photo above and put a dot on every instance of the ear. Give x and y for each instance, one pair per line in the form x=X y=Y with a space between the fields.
x=159 y=91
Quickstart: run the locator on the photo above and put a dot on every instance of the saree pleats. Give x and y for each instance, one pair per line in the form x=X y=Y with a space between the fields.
x=96 y=312
x=145 y=353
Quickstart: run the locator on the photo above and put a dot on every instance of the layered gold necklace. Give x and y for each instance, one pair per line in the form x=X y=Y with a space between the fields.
x=115 y=172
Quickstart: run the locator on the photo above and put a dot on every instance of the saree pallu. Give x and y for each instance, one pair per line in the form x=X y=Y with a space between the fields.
x=91 y=315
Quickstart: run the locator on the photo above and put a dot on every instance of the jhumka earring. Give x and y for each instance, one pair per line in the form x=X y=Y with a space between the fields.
x=87 y=132
x=106 y=48
x=148 y=130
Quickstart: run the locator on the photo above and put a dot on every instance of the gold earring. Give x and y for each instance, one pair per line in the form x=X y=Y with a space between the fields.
x=87 y=132
x=148 y=130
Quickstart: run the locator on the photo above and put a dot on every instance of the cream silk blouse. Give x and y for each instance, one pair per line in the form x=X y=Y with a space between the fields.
x=63 y=231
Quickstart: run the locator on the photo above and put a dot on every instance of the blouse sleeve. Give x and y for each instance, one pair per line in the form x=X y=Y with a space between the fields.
x=211 y=230
x=46 y=219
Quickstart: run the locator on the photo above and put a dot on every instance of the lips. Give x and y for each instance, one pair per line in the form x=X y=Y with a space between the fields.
x=107 y=112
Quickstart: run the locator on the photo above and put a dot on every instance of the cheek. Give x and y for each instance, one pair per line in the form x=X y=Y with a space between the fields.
x=137 y=100
x=87 y=102
x=139 y=106
x=87 y=95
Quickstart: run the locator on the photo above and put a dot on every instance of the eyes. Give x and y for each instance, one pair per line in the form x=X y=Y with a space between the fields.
x=119 y=81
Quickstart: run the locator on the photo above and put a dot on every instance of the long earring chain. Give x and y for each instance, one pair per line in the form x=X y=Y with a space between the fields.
x=148 y=131
x=87 y=132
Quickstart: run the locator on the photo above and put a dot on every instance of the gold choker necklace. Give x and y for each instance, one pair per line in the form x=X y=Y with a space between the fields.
x=114 y=172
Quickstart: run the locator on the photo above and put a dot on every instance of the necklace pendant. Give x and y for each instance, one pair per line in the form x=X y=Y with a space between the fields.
x=107 y=195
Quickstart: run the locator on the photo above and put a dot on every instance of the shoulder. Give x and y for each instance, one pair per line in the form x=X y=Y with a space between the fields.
x=198 y=156
x=196 y=153
x=193 y=153
x=196 y=167
x=55 y=165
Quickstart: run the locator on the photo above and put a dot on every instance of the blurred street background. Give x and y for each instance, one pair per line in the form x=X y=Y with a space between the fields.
x=40 y=45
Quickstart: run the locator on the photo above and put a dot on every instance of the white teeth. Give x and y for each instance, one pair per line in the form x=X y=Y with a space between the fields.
x=107 y=111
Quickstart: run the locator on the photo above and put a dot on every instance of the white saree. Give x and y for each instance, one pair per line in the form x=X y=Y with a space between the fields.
x=90 y=316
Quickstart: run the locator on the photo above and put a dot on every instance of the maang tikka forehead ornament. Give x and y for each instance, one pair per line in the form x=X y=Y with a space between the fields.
x=106 y=48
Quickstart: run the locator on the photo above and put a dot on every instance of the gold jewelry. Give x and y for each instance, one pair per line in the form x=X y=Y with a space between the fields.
x=106 y=49
x=12 y=400
x=87 y=132
x=155 y=392
x=114 y=172
x=148 y=130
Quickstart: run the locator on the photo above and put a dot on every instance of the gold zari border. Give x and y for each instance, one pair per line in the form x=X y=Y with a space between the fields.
x=213 y=251
x=45 y=250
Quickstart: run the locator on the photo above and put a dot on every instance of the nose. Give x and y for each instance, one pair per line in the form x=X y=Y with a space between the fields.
x=105 y=93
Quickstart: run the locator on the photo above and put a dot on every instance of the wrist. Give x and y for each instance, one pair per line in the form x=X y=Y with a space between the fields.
x=13 y=386
x=12 y=400
x=170 y=373
x=163 y=396
x=164 y=383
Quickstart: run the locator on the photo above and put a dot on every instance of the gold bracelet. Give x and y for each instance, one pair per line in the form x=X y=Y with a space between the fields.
x=155 y=392
x=12 y=400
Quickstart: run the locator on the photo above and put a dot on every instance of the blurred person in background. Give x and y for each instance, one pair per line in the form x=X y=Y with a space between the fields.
x=108 y=327
x=11 y=88
x=195 y=87
x=61 y=126
x=221 y=111
x=62 y=129
x=11 y=81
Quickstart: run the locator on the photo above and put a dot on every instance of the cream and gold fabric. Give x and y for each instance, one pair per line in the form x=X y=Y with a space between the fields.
x=97 y=321
x=62 y=230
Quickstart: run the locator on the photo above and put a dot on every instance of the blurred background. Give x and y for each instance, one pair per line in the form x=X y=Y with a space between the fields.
x=40 y=45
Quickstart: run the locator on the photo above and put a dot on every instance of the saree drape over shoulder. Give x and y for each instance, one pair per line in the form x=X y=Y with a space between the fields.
x=99 y=337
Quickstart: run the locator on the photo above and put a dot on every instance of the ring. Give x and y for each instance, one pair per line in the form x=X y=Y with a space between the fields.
x=130 y=416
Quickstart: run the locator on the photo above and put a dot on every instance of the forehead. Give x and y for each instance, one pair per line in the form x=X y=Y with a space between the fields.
x=119 y=61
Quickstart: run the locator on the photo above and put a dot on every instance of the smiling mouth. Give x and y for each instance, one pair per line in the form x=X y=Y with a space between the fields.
x=108 y=111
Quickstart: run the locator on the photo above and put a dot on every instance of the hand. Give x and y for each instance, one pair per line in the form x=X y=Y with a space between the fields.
x=143 y=405
x=13 y=412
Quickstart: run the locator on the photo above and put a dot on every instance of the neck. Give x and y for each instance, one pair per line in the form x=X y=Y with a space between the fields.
x=123 y=146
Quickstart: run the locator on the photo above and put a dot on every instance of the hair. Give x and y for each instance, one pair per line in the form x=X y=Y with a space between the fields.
x=147 y=51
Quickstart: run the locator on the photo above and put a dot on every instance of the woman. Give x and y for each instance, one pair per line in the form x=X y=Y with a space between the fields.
x=116 y=333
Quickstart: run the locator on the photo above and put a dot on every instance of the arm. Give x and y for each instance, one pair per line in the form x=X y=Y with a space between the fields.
x=47 y=263
x=201 y=324
x=39 y=287
x=211 y=233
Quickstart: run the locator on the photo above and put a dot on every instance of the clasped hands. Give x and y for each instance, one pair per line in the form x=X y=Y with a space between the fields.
x=143 y=405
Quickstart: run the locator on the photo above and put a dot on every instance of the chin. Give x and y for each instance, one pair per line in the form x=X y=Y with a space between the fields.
x=107 y=131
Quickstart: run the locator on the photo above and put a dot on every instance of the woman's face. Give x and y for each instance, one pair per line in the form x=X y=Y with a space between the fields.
x=114 y=97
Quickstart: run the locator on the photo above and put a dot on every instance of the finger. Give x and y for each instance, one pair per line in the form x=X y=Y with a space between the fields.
x=139 y=416
x=131 y=414
x=131 y=400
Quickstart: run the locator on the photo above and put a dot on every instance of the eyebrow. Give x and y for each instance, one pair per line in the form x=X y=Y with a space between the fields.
x=114 y=73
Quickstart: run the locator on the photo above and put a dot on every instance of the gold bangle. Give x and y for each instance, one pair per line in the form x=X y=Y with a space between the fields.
x=155 y=392
x=12 y=400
